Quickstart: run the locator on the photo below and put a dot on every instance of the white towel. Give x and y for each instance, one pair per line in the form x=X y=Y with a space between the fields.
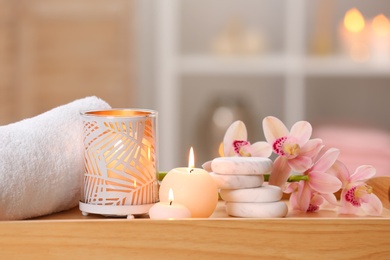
x=41 y=161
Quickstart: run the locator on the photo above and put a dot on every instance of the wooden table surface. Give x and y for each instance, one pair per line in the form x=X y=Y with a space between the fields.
x=322 y=235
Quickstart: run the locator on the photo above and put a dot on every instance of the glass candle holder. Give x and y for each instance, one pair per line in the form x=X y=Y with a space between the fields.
x=121 y=155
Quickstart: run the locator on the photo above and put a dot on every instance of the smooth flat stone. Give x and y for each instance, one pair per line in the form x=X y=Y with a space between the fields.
x=257 y=210
x=237 y=181
x=241 y=165
x=268 y=193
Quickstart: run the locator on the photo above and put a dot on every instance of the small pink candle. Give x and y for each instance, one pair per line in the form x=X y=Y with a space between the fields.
x=169 y=210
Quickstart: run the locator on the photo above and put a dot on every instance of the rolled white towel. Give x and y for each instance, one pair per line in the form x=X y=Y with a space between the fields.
x=41 y=161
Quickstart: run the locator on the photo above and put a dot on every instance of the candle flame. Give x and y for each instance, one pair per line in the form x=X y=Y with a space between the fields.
x=354 y=21
x=191 y=159
x=135 y=183
x=170 y=196
x=381 y=25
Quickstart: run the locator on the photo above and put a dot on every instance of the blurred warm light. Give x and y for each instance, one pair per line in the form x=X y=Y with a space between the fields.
x=381 y=25
x=237 y=39
x=223 y=117
x=359 y=52
x=354 y=36
x=354 y=21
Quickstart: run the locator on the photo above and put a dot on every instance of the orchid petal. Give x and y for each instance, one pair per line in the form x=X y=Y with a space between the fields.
x=300 y=164
x=220 y=150
x=207 y=166
x=363 y=173
x=261 y=149
x=273 y=129
x=374 y=207
x=304 y=196
x=331 y=198
x=291 y=187
x=339 y=170
x=301 y=131
x=326 y=161
x=317 y=200
x=280 y=172
x=294 y=201
x=348 y=209
x=236 y=131
x=324 y=183
x=365 y=198
x=311 y=148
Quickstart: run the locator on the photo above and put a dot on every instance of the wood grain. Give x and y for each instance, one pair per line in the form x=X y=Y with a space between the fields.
x=281 y=238
x=322 y=235
x=381 y=188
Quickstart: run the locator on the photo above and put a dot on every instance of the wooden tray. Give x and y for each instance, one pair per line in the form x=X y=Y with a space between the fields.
x=322 y=235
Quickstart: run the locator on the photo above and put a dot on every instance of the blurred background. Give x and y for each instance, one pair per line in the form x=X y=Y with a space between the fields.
x=204 y=64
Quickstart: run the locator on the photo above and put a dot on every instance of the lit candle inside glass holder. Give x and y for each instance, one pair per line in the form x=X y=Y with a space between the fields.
x=193 y=187
x=120 y=162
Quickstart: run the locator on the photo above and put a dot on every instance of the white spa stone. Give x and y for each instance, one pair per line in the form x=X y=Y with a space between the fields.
x=237 y=181
x=257 y=210
x=241 y=165
x=267 y=193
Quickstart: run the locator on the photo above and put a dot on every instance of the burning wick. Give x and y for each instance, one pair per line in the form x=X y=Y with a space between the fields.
x=170 y=196
x=191 y=161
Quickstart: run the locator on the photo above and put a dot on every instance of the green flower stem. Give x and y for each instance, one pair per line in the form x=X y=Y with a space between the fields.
x=161 y=175
x=292 y=178
x=295 y=178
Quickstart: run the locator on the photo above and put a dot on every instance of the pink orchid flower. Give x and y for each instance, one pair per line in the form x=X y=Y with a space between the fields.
x=356 y=195
x=308 y=196
x=295 y=149
x=235 y=143
x=316 y=199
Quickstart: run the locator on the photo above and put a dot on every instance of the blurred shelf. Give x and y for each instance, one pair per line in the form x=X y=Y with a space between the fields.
x=209 y=64
x=279 y=65
x=342 y=66
x=292 y=65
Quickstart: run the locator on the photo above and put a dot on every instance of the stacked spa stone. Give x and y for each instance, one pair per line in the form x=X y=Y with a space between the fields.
x=240 y=180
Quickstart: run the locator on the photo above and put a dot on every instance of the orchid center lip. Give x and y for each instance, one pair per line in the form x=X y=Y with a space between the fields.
x=277 y=146
x=355 y=194
x=286 y=146
x=291 y=150
x=362 y=190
